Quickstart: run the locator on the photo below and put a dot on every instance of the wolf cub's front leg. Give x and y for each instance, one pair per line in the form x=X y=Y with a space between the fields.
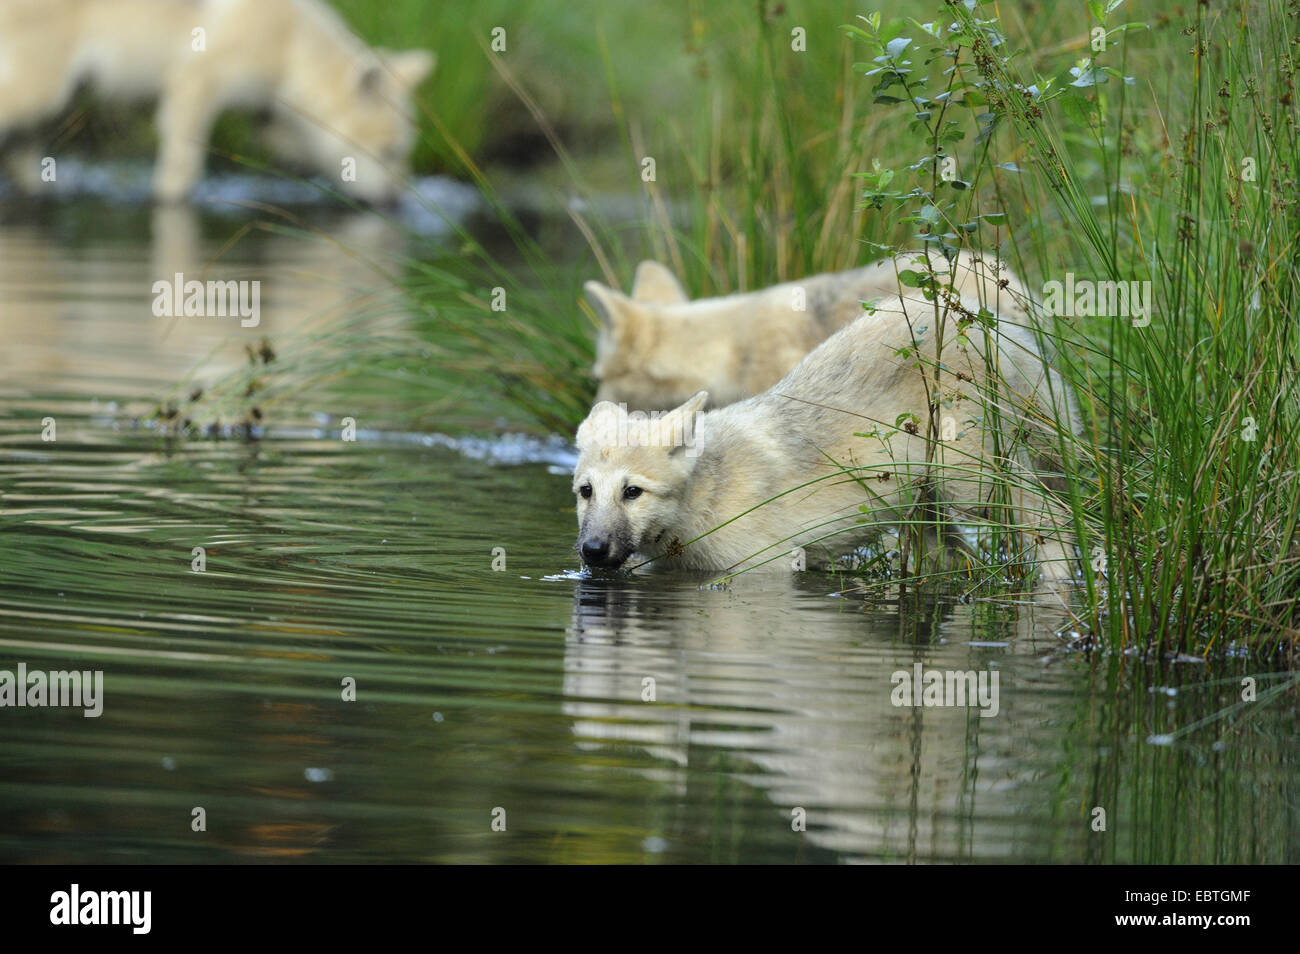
x=186 y=112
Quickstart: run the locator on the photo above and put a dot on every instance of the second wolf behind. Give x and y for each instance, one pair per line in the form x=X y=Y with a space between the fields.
x=657 y=348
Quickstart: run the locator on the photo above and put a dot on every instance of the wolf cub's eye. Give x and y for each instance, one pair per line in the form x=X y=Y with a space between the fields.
x=631 y=493
x=585 y=490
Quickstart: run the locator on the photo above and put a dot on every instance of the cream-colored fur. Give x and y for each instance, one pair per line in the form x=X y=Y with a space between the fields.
x=656 y=284
x=332 y=98
x=655 y=486
x=657 y=348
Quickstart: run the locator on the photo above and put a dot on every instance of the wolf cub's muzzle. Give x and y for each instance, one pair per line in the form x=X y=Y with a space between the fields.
x=601 y=553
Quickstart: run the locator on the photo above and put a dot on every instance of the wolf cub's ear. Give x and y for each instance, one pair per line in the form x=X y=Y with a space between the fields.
x=410 y=67
x=682 y=420
x=657 y=284
x=687 y=411
x=611 y=307
x=600 y=427
x=694 y=404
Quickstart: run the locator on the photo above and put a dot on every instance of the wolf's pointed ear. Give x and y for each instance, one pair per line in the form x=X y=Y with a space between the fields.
x=681 y=421
x=656 y=283
x=694 y=404
x=611 y=307
x=685 y=413
x=600 y=427
x=410 y=67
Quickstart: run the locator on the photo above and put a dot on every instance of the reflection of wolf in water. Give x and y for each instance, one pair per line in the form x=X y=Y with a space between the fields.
x=794 y=698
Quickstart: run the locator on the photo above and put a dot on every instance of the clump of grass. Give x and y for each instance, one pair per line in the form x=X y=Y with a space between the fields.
x=1185 y=493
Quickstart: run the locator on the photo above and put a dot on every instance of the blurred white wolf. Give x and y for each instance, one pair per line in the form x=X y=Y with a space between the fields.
x=335 y=103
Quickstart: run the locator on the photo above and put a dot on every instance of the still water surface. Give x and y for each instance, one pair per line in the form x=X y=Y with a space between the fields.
x=525 y=689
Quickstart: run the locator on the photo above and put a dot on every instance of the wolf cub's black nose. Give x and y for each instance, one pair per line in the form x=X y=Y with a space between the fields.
x=595 y=553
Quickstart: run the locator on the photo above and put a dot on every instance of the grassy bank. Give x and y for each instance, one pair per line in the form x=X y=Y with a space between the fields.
x=1183 y=486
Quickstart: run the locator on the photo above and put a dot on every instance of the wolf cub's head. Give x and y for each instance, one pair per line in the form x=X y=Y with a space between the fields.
x=632 y=474
x=361 y=125
x=636 y=362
